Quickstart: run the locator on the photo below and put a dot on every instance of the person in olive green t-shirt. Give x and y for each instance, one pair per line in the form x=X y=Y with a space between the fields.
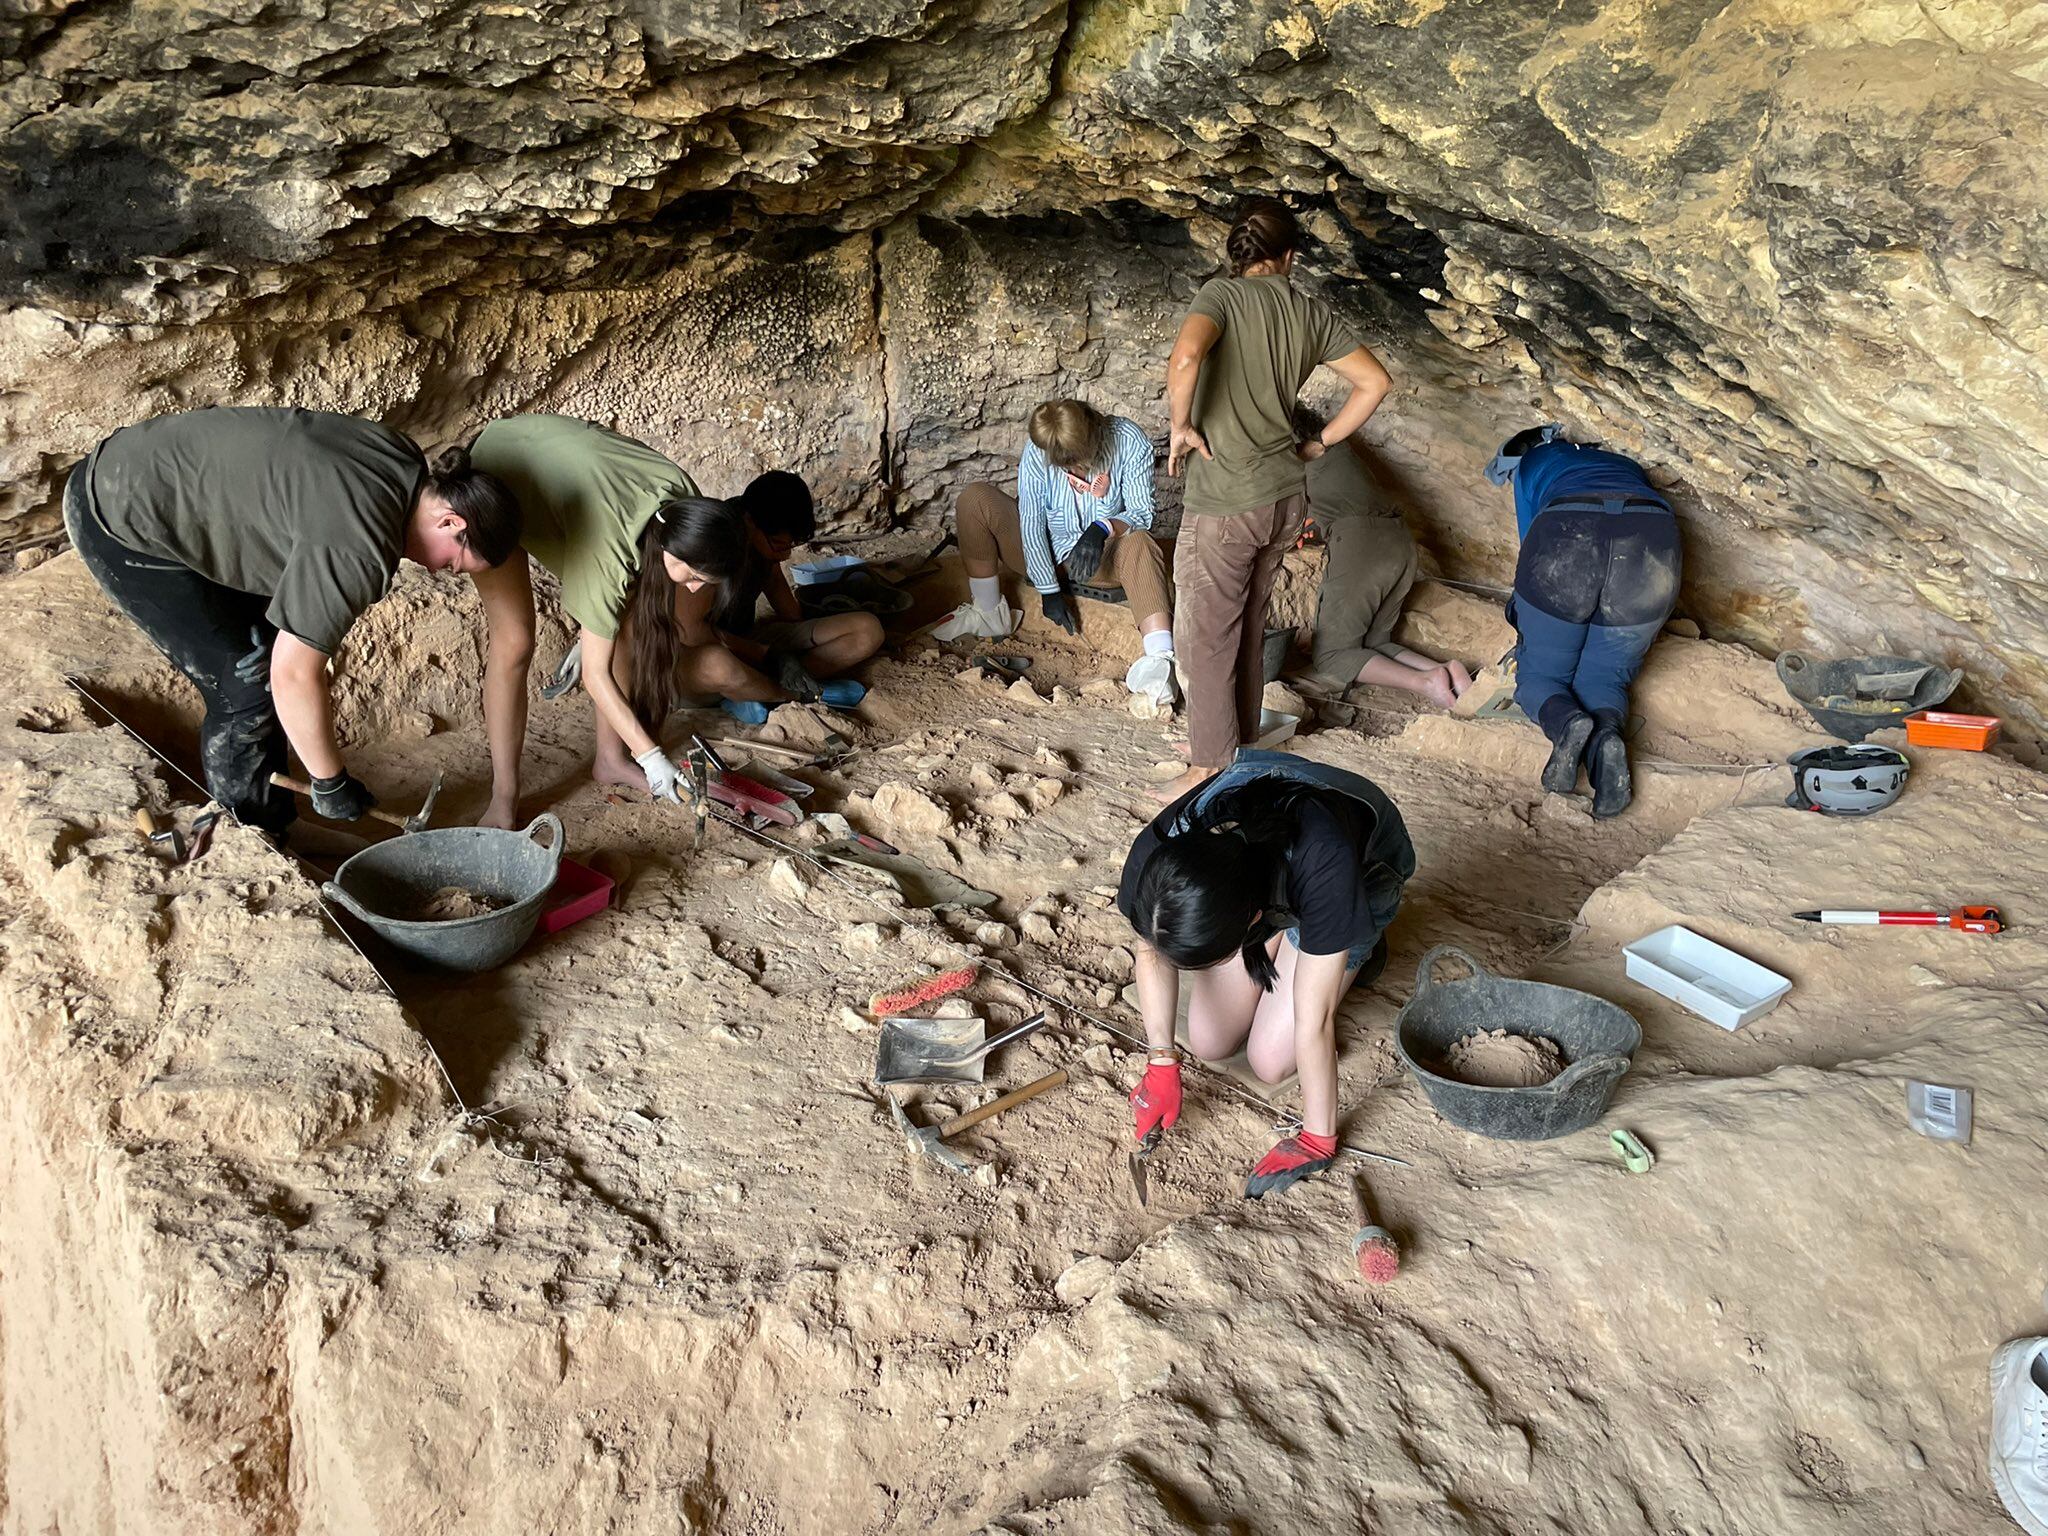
x=1248 y=344
x=1368 y=571
x=641 y=558
x=244 y=542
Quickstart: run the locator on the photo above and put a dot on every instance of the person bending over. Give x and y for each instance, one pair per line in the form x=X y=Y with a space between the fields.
x=244 y=542
x=1367 y=575
x=1082 y=512
x=639 y=554
x=1274 y=884
x=1249 y=342
x=804 y=656
x=1597 y=578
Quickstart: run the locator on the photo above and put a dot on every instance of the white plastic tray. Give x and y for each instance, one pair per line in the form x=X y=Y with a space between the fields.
x=1710 y=979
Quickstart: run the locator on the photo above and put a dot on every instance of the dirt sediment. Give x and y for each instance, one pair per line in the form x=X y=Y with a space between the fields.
x=1493 y=1058
x=675 y=1271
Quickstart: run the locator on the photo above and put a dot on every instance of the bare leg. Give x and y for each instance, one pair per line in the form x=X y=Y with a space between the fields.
x=1153 y=623
x=1460 y=678
x=712 y=669
x=842 y=641
x=1274 y=1041
x=1434 y=685
x=1166 y=794
x=1221 y=1003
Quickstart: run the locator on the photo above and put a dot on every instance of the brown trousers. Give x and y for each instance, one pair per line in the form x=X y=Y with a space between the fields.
x=990 y=531
x=1223 y=570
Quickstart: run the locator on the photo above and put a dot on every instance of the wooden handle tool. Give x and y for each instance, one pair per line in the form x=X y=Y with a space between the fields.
x=299 y=788
x=994 y=1107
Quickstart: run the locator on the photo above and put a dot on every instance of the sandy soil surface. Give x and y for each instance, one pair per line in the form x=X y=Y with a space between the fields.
x=675 y=1270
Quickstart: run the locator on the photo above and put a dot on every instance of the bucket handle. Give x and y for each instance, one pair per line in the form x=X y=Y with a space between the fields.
x=1425 y=978
x=553 y=823
x=1609 y=1067
x=347 y=903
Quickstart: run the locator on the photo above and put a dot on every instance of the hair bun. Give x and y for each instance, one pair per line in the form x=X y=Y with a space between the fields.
x=451 y=462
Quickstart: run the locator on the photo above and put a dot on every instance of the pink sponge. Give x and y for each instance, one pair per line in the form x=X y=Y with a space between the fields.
x=891 y=1004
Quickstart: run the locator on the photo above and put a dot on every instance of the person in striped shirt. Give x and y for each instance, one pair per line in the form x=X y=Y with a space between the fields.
x=1082 y=513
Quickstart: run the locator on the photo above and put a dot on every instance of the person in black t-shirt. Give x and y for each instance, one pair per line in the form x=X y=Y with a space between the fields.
x=1273 y=884
x=806 y=658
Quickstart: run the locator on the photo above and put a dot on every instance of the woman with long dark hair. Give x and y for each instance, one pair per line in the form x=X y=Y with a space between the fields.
x=1248 y=344
x=1272 y=884
x=639 y=554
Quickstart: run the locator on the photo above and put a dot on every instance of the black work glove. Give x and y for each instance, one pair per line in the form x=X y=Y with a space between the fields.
x=1085 y=558
x=342 y=798
x=787 y=668
x=1060 y=610
x=255 y=667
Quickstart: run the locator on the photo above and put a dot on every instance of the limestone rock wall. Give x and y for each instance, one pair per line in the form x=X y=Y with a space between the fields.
x=1792 y=255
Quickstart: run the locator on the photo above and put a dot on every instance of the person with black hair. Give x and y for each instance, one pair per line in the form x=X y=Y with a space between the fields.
x=1248 y=343
x=639 y=555
x=1273 y=883
x=806 y=657
x=245 y=541
x=1596 y=581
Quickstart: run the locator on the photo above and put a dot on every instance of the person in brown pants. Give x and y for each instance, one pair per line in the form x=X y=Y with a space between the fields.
x=1248 y=344
x=1081 y=513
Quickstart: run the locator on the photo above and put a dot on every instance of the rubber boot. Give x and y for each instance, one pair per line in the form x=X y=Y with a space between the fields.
x=1607 y=764
x=1569 y=735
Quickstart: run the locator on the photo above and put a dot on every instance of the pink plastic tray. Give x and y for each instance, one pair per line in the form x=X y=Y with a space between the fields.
x=579 y=891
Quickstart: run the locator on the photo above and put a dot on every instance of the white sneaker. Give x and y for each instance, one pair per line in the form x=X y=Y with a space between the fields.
x=2019 y=1431
x=1153 y=677
x=970 y=618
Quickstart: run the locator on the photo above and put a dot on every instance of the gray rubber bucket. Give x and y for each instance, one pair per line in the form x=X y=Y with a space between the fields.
x=1853 y=697
x=402 y=873
x=1596 y=1038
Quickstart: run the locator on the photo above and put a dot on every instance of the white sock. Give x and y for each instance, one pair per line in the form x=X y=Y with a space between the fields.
x=1159 y=642
x=987 y=592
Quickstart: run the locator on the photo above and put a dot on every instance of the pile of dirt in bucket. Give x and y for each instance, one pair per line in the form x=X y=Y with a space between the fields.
x=452 y=903
x=1493 y=1058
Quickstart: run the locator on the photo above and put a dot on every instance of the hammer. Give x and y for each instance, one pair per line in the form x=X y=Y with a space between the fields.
x=416 y=822
x=930 y=1141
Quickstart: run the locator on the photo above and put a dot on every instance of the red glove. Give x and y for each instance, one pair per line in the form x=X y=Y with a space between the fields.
x=1294 y=1158
x=1155 y=1102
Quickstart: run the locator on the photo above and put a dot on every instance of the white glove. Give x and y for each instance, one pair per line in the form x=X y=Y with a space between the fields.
x=567 y=675
x=662 y=774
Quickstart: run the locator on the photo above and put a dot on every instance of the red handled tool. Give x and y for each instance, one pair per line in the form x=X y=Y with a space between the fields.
x=1965 y=919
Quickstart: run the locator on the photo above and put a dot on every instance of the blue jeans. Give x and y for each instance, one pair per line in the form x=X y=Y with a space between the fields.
x=1562 y=668
x=1597 y=577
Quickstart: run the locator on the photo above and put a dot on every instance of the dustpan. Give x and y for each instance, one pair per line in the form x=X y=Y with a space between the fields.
x=940 y=1050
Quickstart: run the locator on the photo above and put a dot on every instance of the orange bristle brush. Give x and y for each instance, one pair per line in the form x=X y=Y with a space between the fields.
x=1378 y=1255
x=885 y=1005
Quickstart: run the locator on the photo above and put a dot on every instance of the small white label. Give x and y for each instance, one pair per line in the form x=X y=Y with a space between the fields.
x=1939 y=1110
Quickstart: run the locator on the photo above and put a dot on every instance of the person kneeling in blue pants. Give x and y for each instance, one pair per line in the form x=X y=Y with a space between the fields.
x=1597 y=578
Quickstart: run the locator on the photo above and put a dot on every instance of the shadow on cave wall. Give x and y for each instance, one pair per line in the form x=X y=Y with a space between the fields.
x=79 y=217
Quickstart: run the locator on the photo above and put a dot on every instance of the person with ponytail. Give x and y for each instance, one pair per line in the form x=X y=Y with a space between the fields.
x=639 y=555
x=1249 y=342
x=1272 y=885
x=245 y=541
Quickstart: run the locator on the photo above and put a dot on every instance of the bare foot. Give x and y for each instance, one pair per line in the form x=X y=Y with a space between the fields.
x=1460 y=678
x=1436 y=687
x=622 y=771
x=1166 y=794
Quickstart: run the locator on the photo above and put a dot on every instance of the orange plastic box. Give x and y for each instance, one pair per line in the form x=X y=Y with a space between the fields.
x=1940 y=728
